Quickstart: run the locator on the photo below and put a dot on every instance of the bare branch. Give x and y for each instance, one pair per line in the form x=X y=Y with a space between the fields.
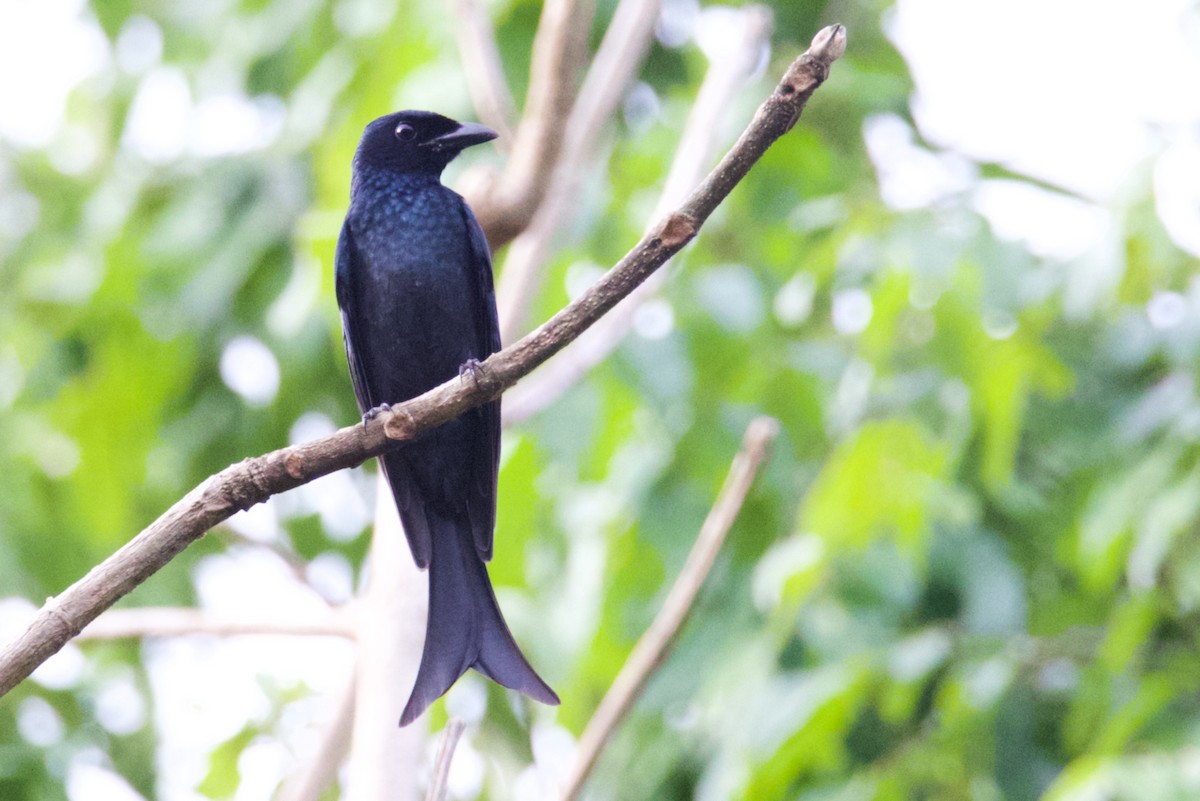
x=724 y=78
x=652 y=648
x=117 y=624
x=255 y=479
x=617 y=60
x=445 y=755
x=485 y=72
x=320 y=771
x=507 y=203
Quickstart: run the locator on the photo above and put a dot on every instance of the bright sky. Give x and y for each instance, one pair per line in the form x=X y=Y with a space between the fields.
x=1091 y=95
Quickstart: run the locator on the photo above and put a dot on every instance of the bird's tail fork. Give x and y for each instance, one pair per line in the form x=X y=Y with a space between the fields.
x=465 y=628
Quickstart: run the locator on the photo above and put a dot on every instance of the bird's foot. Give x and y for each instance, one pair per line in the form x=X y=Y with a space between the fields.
x=371 y=414
x=471 y=367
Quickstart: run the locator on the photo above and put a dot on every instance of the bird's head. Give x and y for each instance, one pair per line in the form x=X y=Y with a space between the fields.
x=417 y=141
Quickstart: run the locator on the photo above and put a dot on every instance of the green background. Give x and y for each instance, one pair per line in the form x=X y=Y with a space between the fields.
x=970 y=571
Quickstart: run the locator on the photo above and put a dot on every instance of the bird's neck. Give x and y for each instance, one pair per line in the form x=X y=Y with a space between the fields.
x=373 y=182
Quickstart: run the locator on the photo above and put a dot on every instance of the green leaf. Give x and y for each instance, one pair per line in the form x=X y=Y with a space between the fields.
x=223 y=777
x=883 y=480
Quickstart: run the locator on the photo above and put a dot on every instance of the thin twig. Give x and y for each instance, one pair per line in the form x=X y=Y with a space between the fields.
x=320 y=771
x=445 y=755
x=117 y=624
x=484 y=70
x=255 y=479
x=724 y=78
x=617 y=60
x=508 y=202
x=652 y=648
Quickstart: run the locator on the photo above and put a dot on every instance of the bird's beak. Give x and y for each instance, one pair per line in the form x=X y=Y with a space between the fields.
x=465 y=135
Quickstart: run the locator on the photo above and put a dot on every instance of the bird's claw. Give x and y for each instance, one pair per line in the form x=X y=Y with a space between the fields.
x=470 y=367
x=371 y=414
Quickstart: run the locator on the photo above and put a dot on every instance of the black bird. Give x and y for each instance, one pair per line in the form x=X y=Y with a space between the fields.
x=414 y=284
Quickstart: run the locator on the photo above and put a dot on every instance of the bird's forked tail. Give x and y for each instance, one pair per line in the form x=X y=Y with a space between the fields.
x=465 y=628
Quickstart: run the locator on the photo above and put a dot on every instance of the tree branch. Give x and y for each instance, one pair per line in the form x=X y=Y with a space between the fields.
x=722 y=80
x=116 y=624
x=485 y=72
x=253 y=480
x=617 y=60
x=445 y=755
x=320 y=770
x=652 y=648
x=385 y=760
x=507 y=203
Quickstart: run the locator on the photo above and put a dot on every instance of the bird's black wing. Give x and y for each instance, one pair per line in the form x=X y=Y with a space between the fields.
x=486 y=461
x=343 y=270
x=412 y=513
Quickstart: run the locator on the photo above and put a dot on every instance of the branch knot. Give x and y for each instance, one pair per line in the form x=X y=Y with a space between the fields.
x=399 y=424
x=676 y=231
x=293 y=463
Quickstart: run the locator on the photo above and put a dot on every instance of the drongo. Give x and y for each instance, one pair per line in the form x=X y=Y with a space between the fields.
x=414 y=284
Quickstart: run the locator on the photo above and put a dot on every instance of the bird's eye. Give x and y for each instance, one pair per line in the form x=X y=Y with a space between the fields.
x=405 y=132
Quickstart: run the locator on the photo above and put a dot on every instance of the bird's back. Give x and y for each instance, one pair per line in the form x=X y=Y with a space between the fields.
x=415 y=286
x=421 y=290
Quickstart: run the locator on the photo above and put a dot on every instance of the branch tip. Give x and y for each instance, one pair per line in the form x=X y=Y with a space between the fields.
x=829 y=44
x=762 y=429
x=651 y=649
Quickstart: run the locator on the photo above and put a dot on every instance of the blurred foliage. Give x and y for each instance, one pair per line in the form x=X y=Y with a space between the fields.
x=970 y=571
